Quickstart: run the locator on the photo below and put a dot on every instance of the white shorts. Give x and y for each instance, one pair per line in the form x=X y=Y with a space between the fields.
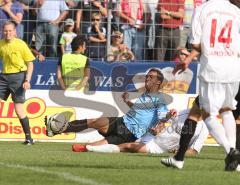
x=214 y=96
x=151 y=147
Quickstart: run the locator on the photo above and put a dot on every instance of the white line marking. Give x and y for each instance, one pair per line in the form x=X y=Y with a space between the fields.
x=64 y=175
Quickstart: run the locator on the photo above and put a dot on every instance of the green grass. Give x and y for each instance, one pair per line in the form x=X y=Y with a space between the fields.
x=55 y=163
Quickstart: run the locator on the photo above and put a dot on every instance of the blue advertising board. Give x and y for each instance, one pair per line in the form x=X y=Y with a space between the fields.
x=116 y=76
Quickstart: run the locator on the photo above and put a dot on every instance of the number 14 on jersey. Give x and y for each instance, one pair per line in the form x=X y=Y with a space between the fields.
x=222 y=37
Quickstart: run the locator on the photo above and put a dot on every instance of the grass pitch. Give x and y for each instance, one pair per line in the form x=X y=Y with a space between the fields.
x=55 y=163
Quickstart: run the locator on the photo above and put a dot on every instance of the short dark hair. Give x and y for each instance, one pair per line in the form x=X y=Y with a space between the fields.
x=9 y=23
x=159 y=74
x=79 y=40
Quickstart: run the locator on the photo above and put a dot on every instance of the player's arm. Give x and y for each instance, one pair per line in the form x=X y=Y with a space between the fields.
x=101 y=8
x=165 y=14
x=26 y=84
x=182 y=66
x=125 y=97
x=122 y=15
x=158 y=128
x=59 y=75
x=161 y=123
x=194 y=53
x=86 y=77
x=38 y=55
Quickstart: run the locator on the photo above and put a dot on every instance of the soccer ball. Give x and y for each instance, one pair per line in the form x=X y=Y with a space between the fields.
x=55 y=124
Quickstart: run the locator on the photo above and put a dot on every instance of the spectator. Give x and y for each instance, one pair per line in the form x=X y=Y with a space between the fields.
x=49 y=14
x=151 y=28
x=189 y=8
x=72 y=4
x=131 y=13
x=97 y=36
x=11 y=11
x=85 y=10
x=28 y=25
x=67 y=36
x=118 y=51
x=168 y=33
x=73 y=68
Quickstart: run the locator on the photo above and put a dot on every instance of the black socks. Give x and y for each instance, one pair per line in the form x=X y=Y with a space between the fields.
x=238 y=137
x=76 y=126
x=25 y=125
x=187 y=133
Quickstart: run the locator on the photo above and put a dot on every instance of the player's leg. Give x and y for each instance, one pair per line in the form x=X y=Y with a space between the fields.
x=229 y=125
x=58 y=123
x=116 y=133
x=109 y=134
x=105 y=148
x=214 y=96
x=134 y=147
x=236 y=114
x=18 y=97
x=112 y=148
x=188 y=130
x=238 y=134
x=100 y=124
x=187 y=133
x=24 y=122
x=92 y=147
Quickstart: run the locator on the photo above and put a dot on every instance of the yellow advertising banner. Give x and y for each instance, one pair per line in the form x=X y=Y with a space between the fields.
x=36 y=109
x=39 y=104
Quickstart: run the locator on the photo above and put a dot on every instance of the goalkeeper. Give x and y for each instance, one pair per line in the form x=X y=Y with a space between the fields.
x=148 y=112
x=165 y=141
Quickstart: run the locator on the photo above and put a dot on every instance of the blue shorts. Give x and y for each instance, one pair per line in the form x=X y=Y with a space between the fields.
x=13 y=84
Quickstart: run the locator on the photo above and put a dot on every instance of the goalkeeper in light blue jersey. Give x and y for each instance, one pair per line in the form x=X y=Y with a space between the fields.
x=148 y=113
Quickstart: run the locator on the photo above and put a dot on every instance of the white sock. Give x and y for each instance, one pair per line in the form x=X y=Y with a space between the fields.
x=229 y=125
x=216 y=129
x=107 y=148
x=238 y=168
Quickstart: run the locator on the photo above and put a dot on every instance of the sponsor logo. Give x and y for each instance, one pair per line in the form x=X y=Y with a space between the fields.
x=36 y=110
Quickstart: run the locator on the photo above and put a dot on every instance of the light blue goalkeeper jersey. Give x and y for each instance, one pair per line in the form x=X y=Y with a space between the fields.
x=146 y=112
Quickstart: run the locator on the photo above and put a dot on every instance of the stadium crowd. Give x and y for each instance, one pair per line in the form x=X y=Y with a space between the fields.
x=146 y=30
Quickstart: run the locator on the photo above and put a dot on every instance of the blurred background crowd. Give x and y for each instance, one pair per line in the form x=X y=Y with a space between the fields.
x=116 y=30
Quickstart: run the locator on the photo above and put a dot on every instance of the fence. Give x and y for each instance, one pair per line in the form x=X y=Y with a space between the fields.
x=150 y=29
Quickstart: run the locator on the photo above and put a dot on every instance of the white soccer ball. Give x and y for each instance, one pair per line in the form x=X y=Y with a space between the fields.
x=58 y=123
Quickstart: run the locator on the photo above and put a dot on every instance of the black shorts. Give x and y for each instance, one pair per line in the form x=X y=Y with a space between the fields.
x=12 y=84
x=117 y=132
